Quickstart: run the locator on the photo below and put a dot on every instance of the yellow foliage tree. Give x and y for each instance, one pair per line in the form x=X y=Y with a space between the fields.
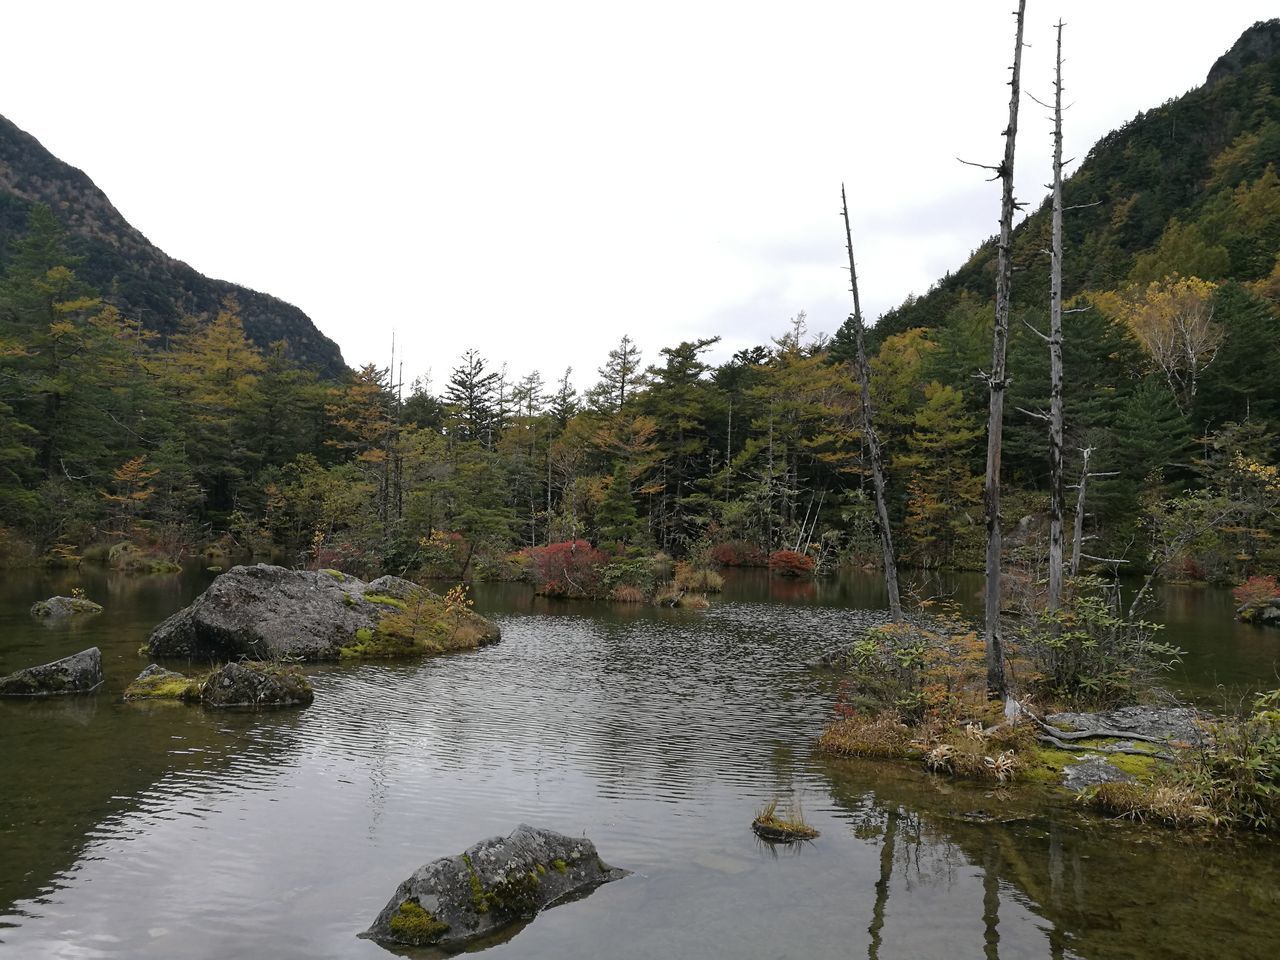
x=1173 y=320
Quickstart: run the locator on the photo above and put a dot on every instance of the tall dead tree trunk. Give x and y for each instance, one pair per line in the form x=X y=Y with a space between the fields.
x=869 y=429
x=1078 y=538
x=997 y=381
x=1055 y=352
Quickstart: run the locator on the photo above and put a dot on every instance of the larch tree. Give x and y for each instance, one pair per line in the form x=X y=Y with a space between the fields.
x=869 y=436
x=620 y=377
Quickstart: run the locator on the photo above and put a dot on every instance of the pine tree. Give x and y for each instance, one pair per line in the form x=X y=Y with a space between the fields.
x=471 y=394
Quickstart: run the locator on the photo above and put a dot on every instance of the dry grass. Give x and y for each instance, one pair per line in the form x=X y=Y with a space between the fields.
x=1168 y=804
x=770 y=826
x=859 y=735
x=626 y=593
x=698 y=579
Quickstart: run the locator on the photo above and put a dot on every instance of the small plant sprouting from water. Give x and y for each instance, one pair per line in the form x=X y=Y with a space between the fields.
x=770 y=825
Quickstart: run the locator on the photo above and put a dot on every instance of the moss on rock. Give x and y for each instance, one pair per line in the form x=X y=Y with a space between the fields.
x=416 y=926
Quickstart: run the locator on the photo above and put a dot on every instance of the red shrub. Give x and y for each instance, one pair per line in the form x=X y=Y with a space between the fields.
x=738 y=553
x=568 y=569
x=1256 y=590
x=789 y=563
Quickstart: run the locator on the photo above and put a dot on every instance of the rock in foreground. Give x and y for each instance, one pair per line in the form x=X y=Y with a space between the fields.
x=79 y=673
x=64 y=607
x=232 y=685
x=265 y=612
x=454 y=901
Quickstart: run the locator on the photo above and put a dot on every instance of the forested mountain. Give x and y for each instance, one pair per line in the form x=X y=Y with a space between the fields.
x=1182 y=188
x=131 y=273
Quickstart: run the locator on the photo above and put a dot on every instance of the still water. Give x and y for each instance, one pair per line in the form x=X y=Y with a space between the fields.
x=141 y=831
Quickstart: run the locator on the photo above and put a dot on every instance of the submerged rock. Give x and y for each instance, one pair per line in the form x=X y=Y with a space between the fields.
x=79 y=673
x=454 y=901
x=64 y=607
x=264 y=612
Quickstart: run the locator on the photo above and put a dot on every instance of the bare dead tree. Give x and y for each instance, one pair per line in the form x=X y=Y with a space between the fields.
x=1077 y=541
x=1055 y=351
x=1077 y=544
x=868 y=426
x=997 y=381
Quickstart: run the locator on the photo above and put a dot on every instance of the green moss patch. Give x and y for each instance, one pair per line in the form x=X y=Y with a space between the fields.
x=414 y=925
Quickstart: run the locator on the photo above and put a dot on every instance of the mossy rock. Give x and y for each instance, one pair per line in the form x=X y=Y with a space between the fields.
x=271 y=613
x=413 y=925
x=157 y=683
x=64 y=607
x=495 y=884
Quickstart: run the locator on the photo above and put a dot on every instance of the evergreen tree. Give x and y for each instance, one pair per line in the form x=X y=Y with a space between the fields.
x=620 y=377
x=471 y=394
x=616 y=517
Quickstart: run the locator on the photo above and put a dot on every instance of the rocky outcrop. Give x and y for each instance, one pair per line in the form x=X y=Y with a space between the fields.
x=1172 y=724
x=79 y=673
x=264 y=612
x=454 y=901
x=64 y=607
x=1258 y=44
x=255 y=685
x=231 y=685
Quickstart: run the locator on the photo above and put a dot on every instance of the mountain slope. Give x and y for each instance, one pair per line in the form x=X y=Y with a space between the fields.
x=131 y=272
x=1181 y=188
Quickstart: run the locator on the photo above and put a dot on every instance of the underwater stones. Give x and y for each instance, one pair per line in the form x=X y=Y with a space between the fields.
x=64 y=607
x=265 y=612
x=498 y=882
x=79 y=673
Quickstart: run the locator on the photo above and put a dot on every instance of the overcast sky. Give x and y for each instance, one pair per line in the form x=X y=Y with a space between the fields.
x=535 y=178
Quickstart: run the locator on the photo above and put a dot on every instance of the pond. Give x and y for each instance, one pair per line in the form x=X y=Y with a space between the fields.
x=139 y=831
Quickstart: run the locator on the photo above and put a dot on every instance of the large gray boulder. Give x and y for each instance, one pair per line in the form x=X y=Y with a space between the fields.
x=79 y=673
x=454 y=901
x=264 y=612
x=64 y=607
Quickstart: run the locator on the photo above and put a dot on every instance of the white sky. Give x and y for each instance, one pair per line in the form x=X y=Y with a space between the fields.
x=535 y=178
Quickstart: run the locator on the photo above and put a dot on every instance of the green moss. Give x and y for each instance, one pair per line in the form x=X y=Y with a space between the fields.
x=164 y=687
x=478 y=900
x=516 y=895
x=385 y=600
x=1144 y=768
x=163 y=566
x=414 y=925
x=560 y=865
x=541 y=870
x=336 y=574
x=348 y=600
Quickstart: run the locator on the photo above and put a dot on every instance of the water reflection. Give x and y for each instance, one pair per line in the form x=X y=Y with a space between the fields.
x=139 y=832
